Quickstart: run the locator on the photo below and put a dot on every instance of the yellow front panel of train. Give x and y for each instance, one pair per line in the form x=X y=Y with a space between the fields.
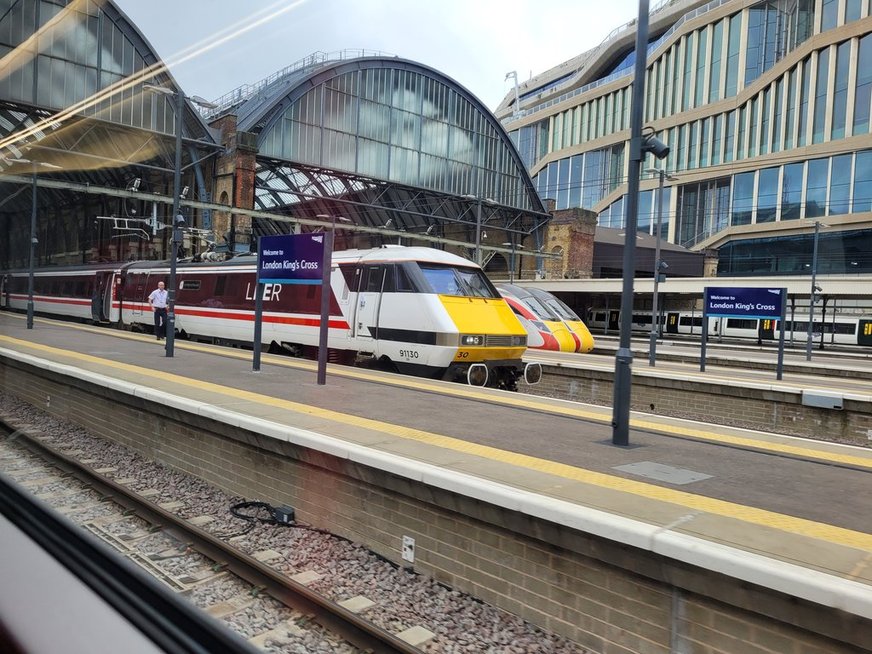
x=565 y=339
x=487 y=316
x=583 y=334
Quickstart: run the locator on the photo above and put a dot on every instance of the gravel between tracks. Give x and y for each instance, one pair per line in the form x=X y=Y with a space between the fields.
x=403 y=599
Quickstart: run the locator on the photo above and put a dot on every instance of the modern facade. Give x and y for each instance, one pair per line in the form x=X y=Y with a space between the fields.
x=766 y=109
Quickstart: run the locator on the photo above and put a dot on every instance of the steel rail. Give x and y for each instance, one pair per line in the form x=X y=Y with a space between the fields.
x=338 y=620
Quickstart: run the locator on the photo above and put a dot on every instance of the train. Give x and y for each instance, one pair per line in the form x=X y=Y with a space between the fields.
x=550 y=323
x=834 y=329
x=419 y=310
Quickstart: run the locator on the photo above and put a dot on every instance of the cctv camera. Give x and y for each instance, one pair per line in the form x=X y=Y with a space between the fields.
x=655 y=146
x=180 y=220
x=664 y=265
x=817 y=288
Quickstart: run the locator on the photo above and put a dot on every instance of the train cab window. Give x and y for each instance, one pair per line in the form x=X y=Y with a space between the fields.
x=474 y=283
x=390 y=283
x=372 y=279
x=443 y=281
x=404 y=281
x=190 y=285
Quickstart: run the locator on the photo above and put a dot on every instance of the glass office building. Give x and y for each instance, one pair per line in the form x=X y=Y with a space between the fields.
x=766 y=110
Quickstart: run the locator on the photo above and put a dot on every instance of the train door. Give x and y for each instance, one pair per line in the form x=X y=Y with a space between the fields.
x=672 y=322
x=101 y=296
x=369 y=302
x=864 y=332
x=766 y=329
x=614 y=320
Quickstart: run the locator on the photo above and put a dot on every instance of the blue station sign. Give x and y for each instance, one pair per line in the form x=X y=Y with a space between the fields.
x=291 y=259
x=731 y=302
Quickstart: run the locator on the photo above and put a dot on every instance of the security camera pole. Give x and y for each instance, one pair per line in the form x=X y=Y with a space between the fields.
x=814 y=292
x=624 y=358
x=177 y=223
x=658 y=266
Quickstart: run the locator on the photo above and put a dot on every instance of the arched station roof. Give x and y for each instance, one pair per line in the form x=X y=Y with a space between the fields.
x=382 y=140
x=72 y=96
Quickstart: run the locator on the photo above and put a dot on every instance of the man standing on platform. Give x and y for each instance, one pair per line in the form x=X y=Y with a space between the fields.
x=158 y=302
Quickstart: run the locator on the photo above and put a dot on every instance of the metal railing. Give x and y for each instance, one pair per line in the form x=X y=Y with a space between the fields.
x=593 y=54
x=318 y=58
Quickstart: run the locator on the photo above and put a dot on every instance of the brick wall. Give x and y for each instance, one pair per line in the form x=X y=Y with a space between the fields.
x=607 y=596
x=760 y=409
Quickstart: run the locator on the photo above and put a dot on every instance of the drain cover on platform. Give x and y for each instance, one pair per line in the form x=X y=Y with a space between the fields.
x=662 y=472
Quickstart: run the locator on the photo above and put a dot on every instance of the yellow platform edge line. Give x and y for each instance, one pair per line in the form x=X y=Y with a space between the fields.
x=531 y=402
x=760 y=517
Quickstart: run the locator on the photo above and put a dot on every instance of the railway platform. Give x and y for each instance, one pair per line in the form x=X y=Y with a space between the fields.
x=694 y=531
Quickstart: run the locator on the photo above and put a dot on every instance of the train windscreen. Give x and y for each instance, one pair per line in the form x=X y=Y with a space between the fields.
x=464 y=282
x=554 y=303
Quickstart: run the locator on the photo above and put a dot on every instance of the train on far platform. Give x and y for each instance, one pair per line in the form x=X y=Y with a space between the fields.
x=550 y=323
x=833 y=329
x=421 y=311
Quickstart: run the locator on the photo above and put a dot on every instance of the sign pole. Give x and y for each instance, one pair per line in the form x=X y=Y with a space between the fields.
x=705 y=305
x=326 y=264
x=779 y=371
x=258 y=312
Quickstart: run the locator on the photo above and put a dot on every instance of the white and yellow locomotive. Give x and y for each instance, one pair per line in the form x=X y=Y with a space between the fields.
x=426 y=312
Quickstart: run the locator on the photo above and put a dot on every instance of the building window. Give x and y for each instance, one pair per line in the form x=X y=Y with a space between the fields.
x=829 y=14
x=715 y=68
x=735 y=39
x=863 y=182
x=820 y=103
x=840 y=92
x=816 y=188
x=864 y=86
x=802 y=127
x=777 y=111
x=743 y=199
x=767 y=195
x=791 y=191
x=789 y=127
x=840 y=185
x=729 y=137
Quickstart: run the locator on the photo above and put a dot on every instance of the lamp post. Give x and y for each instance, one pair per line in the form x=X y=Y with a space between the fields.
x=33 y=239
x=178 y=220
x=814 y=291
x=658 y=265
x=478 y=201
x=512 y=260
x=640 y=144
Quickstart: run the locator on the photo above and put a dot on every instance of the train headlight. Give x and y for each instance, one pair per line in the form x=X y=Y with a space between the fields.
x=472 y=339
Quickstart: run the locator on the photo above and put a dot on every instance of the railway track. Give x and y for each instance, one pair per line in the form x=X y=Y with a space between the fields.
x=266 y=608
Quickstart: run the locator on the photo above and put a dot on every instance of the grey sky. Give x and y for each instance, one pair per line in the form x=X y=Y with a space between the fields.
x=475 y=42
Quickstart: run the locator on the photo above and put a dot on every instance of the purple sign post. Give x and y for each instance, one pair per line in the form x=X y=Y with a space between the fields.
x=749 y=303
x=295 y=259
